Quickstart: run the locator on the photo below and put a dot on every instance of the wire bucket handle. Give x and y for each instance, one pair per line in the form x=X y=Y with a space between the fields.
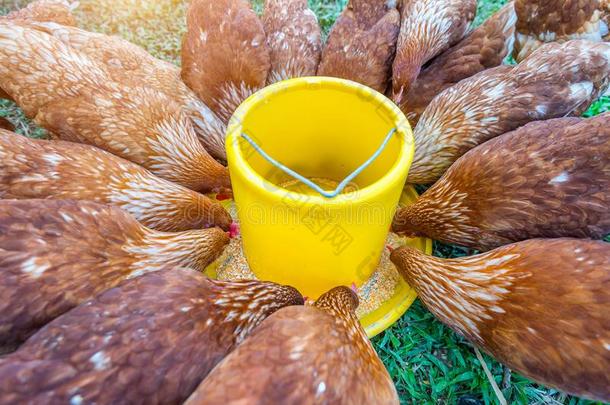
x=311 y=184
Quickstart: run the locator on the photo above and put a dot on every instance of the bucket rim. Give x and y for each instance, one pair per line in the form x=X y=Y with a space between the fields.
x=398 y=171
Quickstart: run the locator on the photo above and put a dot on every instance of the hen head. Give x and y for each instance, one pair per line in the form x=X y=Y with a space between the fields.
x=415 y=220
x=198 y=211
x=248 y=303
x=339 y=301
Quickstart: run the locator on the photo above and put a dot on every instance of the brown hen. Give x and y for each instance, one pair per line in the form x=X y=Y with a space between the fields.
x=75 y=98
x=555 y=81
x=362 y=43
x=543 y=21
x=539 y=306
x=129 y=64
x=485 y=48
x=150 y=340
x=303 y=355
x=225 y=57
x=548 y=179
x=64 y=170
x=428 y=28
x=58 y=11
x=293 y=38
x=57 y=254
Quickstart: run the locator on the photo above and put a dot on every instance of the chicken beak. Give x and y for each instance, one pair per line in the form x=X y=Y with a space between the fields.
x=397 y=97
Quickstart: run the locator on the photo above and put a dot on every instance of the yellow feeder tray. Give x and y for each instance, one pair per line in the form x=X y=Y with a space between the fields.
x=392 y=309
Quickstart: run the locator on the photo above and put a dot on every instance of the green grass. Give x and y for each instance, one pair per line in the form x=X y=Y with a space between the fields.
x=428 y=362
x=486 y=8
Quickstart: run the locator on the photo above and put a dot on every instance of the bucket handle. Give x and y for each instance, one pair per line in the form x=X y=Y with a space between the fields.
x=311 y=184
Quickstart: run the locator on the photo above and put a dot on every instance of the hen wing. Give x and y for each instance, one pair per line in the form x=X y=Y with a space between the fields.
x=362 y=44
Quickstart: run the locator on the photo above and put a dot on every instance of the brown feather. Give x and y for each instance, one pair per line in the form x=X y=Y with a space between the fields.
x=303 y=355
x=428 y=28
x=224 y=55
x=362 y=43
x=555 y=81
x=74 y=97
x=539 y=306
x=485 y=48
x=543 y=21
x=548 y=179
x=150 y=340
x=57 y=254
x=293 y=38
x=64 y=170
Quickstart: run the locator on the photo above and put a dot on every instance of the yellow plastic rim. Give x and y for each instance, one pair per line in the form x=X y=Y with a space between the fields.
x=239 y=161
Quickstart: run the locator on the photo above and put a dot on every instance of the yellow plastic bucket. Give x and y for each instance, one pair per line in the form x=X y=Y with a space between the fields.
x=321 y=128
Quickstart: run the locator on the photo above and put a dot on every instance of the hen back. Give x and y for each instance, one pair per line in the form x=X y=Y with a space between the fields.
x=293 y=38
x=225 y=57
x=542 y=21
x=362 y=43
x=131 y=65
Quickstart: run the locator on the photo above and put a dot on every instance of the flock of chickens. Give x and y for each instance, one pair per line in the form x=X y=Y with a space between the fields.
x=102 y=227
